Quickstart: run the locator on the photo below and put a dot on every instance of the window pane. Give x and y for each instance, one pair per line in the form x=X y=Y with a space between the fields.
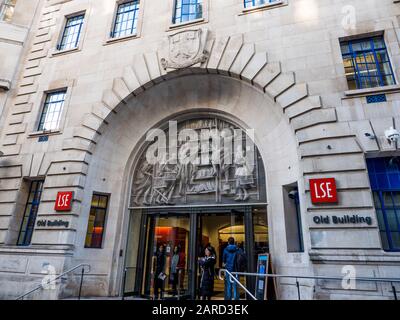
x=396 y=240
x=7 y=10
x=96 y=222
x=385 y=242
x=187 y=10
x=256 y=3
x=30 y=213
x=384 y=175
x=52 y=110
x=102 y=202
x=126 y=19
x=72 y=33
x=366 y=63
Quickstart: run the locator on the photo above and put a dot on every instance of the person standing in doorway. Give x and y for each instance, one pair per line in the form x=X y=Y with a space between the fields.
x=229 y=263
x=207 y=264
x=159 y=274
x=177 y=269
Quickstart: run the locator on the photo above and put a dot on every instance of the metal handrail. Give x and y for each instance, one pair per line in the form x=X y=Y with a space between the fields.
x=362 y=279
x=233 y=279
x=82 y=265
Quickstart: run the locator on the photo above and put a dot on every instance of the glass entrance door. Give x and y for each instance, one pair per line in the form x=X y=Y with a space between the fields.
x=214 y=230
x=166 y=262
x=172 y=243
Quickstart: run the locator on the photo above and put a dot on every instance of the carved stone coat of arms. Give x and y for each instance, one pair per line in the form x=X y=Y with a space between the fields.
x=186 y=48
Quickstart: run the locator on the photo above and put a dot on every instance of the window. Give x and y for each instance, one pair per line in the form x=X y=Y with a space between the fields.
x=52 y=109
x=384 y=174
x=366 y=63
x=126 y=19
x=72 y=33
x=188 y=10
x=257 y=3
x=30 y=213
x=292 y=213
x=97 y=218
x=7 y=10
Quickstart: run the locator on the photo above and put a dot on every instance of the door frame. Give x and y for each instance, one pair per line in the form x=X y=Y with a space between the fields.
x=194 y=213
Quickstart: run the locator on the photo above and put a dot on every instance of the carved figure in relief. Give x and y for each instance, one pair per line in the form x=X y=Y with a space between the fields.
x=243 y=175
x=145 y=183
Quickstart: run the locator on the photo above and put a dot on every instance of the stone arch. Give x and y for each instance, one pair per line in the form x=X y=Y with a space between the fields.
x=122 y=164
x=229 y=57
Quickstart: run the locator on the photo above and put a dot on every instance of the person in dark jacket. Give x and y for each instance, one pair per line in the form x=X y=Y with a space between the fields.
x=207 y=274
x=159 y=267
x=228 y=260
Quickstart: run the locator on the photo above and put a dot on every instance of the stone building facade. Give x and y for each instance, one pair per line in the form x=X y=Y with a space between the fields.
x=277 y=67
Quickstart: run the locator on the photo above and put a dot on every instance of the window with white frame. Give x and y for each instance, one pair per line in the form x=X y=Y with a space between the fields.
x=7 y=10
x=187 y=10
x=126 y=19
x=52 y=110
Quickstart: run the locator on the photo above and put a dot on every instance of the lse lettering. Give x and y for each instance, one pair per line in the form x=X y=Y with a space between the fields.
x=63 y=201
x=323 y=190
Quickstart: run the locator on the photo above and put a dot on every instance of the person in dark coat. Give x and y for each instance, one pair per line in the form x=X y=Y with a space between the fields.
x=159 y=267
x=207 y=264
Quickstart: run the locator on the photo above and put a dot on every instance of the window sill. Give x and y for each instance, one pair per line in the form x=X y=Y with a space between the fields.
x=263 y=7
x=187 y=23
x=120 y=39
x=56 y=52
x=44 y=133
x=370 y=91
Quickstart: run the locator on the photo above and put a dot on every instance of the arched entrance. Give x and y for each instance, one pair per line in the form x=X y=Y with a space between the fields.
x=185 y=205
x=118 y=154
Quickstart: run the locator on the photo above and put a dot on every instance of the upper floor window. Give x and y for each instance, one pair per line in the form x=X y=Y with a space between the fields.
x=96 y=223
x=30 y=213
x=257 y=3
x=367 y=63
x=7 y=10
x=384 y=174
x=126 y=19
x=52 y=109
x=187 y=10
x=72 y=32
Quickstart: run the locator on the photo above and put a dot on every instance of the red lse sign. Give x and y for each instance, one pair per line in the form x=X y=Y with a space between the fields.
x=64 y=201
x=323 y=190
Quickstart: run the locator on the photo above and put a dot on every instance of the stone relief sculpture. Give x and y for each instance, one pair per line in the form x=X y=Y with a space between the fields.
x=170 y=183
x=186 y=48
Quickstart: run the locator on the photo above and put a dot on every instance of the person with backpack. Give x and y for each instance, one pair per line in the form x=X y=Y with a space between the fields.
x=233 y=259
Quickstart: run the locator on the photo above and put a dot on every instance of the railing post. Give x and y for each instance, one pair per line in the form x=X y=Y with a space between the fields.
x=80 y=286
x=298 y=288
x=394 y=291
x=123 y=283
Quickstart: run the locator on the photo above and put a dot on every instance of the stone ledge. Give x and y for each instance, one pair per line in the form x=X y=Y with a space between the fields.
x=371 y=91
x=47 y=250
x=5 y=84
x=341 y=256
